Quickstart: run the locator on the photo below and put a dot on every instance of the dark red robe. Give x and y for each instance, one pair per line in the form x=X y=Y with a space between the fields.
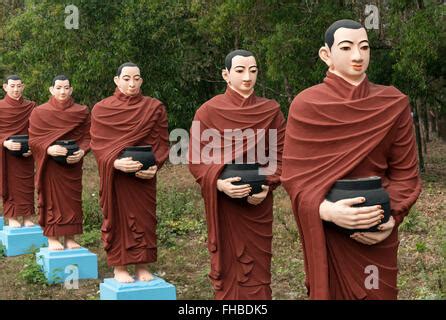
x=239 y=234
x=59 y=187
x=16 y=174
x=128 y=203
x=337 y=130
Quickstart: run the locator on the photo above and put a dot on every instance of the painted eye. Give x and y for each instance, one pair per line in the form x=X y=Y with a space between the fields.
x=365 y=48
x=345 y=48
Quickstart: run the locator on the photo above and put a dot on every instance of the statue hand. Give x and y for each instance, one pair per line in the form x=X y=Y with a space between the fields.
x=343 y=214
x=147 y=174
x=257 y=198
x=370 y=238
x=12 y=146
x=76 y=157
x=28 y=154
x=57 y=150
x=232 y=190
x=127 y=165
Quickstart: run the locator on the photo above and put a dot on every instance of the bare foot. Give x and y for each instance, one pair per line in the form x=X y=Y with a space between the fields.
x=71 y=244
x=54 y=244
x=13 y=223
x=122 y=275
x=143 y=273
x=28 y=223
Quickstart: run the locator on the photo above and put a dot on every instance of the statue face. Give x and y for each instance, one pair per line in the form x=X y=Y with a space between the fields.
x=350 y=54
x=130 y=81
x=14 y=89
x=243 y=75
x=61 y=90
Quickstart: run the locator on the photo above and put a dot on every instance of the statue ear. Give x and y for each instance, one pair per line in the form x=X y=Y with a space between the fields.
x=225 y=75
x=116 y=80
x=52 y=90
x=325 y=55
x=5 y=86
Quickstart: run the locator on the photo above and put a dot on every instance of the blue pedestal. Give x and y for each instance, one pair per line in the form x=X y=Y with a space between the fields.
x=156 y=289
x=71 y=264
x=18 y=241
x=2 y=223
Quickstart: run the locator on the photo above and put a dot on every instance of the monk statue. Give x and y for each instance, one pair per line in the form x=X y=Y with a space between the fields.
x=127 y=191
x=16 y=171
x=58 y=177
x=239 y=218
x=348 y=128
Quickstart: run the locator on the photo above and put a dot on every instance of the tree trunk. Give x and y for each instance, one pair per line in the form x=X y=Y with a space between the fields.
x=442 y=128
x=288 y=90
x=418 y=136
x=433 y=121
x=425 y=119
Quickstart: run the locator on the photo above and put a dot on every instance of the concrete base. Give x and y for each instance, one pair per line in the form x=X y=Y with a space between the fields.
x=24 y=240
x=74 y=264
x=156 y=289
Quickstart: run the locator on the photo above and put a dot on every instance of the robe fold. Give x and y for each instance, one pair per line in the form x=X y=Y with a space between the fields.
x=336 y=130
x=16 y=173
x=59 y=187
x=239 y=234
x=128 y=203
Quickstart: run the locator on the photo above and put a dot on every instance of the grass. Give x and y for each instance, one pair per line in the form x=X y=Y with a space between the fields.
x=31 y=272
x=182 y=253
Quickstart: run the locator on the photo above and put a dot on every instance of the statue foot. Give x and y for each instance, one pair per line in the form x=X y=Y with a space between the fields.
x=122 y=275
x=143 y=273
x=71 y=244
x=28 y=223
x=54 y=244
x=14 y=223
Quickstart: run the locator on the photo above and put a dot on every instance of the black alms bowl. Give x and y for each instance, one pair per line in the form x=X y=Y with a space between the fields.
x=142 y=154
x=24 y=147
x=71 y=146
x=249 y=174
x=370 y=188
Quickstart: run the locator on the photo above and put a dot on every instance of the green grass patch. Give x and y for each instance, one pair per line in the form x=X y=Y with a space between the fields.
x=177 y=215
x=31 y=271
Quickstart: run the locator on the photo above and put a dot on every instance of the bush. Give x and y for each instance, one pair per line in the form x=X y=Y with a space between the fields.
x=32 y=272
x=2 y=250
x=177 y=215
x=92 y=211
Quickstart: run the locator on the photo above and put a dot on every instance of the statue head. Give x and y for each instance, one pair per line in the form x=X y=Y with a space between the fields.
x=14 y=87
x=346 y=51
x=240 y=71
x=128 y=79
x=61 y=88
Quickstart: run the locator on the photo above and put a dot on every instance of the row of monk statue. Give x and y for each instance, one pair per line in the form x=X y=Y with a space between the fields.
x=343 y=128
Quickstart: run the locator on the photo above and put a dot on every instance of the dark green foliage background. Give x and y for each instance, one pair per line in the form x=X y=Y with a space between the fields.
x=180 y=46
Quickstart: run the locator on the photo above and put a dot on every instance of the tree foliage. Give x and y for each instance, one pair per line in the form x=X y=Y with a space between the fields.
x=180 y=46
